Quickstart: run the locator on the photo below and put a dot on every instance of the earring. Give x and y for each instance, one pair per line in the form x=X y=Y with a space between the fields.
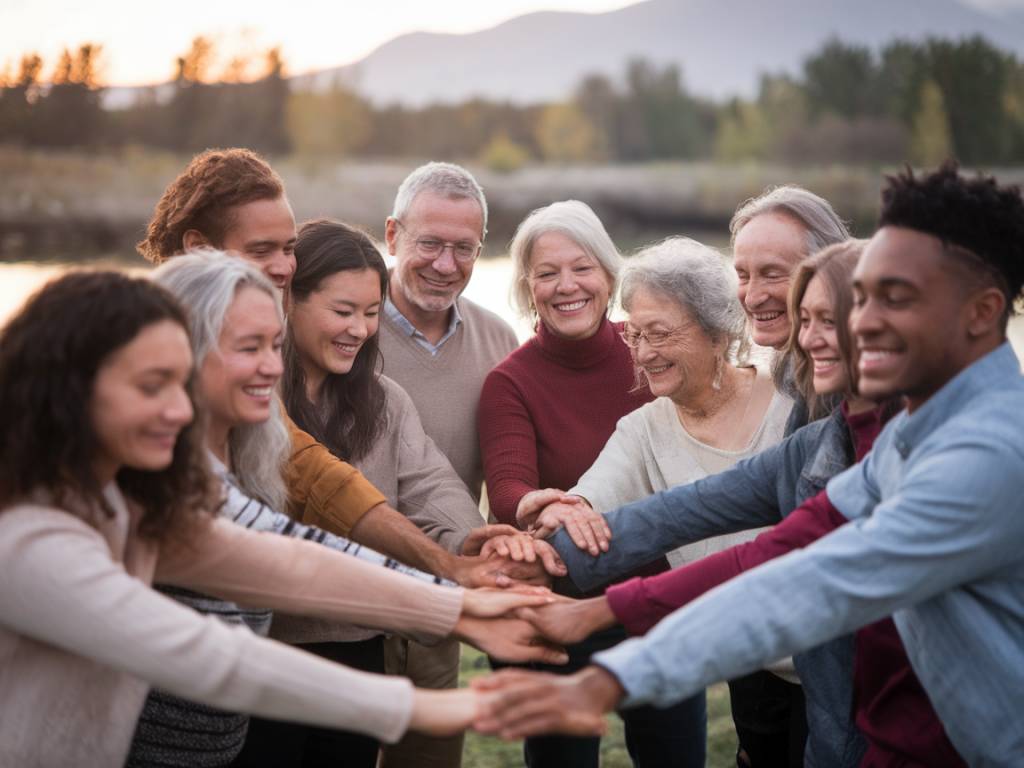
x=716 y=382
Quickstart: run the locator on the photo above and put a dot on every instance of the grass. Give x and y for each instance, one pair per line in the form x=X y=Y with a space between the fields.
x=486 y=752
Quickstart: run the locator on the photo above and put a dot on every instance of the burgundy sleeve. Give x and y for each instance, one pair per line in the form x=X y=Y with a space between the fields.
x=508 y=446
x=641 y=603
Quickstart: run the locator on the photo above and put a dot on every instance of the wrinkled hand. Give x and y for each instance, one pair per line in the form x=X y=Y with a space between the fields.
x=567 y=621
x=522 y=547
x=514 y=640
x=477 y=538
x=587 y=529
x=530 y=703
x=534 y=502
x=496 y=571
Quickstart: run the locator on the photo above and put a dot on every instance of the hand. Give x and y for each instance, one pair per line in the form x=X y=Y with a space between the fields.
x=444 y=713
x=522 y=547
x=568 y=621
x=478 y=537
x=488 y=602
x=513 y=640
x=494 y=571
x=532 y=503
x=531 y=703
x=587 y=529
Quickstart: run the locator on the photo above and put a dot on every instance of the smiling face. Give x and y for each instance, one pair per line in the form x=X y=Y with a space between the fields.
x=331 y=325
x=263 y=233
x=908 y=317
x=237 y=377
x=766 y=250
x=139 y=401
x=684 y=366
x=569 y=287
x=819 y=338
x=425 y=284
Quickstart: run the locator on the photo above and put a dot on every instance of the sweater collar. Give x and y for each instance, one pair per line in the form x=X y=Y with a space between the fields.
x=580 y=353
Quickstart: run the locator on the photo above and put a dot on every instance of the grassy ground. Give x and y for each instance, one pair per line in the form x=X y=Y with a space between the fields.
x=485 y=752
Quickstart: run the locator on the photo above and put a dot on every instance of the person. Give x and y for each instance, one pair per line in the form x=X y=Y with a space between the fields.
x=232 y=199
x=334 y=391
x=926 y=538
x=771 y=234
x=771 y=484
x=545 y=413
x=438 y=345
x=104 y=476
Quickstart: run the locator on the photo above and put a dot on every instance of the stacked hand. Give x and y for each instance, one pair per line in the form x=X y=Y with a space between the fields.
x=490 y=622
x=518 y=703
x=501 y=555
x=546 y=510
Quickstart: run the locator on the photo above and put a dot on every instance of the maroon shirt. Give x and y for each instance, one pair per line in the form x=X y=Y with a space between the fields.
x=891 y=708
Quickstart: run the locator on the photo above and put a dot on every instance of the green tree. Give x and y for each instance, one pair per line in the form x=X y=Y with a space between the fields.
x=18 y=95
x=842 y=79
x=504 y=155
x=931 y=142
x=743 y=133
x=71 y=113
x=334 y=122
x=566 y=135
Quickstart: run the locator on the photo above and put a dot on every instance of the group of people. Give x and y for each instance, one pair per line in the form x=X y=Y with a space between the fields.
x=240 y=497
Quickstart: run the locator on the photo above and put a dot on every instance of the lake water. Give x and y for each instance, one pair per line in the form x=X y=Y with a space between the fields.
x=488 y=287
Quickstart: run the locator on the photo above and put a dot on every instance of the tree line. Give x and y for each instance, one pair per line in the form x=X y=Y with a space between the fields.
x=918 y=101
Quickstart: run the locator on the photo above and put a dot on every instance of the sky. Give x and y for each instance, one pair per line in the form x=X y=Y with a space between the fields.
x=141 y=39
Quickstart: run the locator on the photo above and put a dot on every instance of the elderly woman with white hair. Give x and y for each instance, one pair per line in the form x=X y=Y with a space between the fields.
x=687 y=334
x=545 y=413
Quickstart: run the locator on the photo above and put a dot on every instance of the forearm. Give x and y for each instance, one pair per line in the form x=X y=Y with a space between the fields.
x=390 y=532
x=639 y=604
x=307 y=579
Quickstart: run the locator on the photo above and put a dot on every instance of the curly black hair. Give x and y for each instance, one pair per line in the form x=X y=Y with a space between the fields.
x=975 y=214
x=50 y=353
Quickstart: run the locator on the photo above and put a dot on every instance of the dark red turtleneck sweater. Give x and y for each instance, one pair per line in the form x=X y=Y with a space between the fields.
x=891 y=708
x=547 y=410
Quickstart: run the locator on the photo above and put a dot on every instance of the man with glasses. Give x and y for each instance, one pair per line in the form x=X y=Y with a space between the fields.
x=439 y=347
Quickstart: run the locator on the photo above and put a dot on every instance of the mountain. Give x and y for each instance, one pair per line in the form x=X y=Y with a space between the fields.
x=723 y=46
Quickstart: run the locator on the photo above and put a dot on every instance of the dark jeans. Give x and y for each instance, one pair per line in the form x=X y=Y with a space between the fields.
x=674 y=737
x=771 y=724
x=274 y=743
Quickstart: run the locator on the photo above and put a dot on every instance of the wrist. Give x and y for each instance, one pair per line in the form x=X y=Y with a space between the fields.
x=596 y=614
x=601 y=687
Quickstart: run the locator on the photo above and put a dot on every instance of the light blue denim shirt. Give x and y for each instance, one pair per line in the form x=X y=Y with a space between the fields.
x=408 y=328
x=935 y=539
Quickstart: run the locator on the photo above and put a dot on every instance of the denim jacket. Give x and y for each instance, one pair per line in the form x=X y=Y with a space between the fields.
x=934 y=540
x=758 y=491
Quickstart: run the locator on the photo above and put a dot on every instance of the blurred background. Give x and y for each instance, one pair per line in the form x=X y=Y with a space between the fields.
x=663 y=115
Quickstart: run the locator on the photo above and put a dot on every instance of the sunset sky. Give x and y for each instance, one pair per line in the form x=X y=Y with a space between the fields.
x=141 y=40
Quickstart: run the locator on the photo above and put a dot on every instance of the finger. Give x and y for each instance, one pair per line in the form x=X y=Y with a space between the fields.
x=550 y=559
x=578 y=537
x=515 y=549
x=500 y=529
x=598 y=530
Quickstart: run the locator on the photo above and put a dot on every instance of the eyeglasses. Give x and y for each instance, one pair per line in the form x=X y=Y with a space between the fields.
x=653 y=338
x=431 y=248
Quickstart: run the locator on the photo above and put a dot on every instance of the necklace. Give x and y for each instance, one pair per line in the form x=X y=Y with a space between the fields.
x=704 y=415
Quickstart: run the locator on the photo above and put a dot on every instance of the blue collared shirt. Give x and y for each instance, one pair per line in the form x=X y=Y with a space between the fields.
x=935 y=539
x=409 y=329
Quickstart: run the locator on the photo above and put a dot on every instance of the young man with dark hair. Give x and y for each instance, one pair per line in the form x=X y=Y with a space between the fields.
x=933 y=536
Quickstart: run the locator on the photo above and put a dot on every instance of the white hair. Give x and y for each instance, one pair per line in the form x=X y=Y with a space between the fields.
x=444 y=179
x=576 y=221
x=206 y=283
x=700 y=280
x=814 y=213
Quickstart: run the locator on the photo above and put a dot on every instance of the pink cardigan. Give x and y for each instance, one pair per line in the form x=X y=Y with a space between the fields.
x=82 y=636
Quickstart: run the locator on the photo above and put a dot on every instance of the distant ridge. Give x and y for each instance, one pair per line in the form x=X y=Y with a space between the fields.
x=723 y=46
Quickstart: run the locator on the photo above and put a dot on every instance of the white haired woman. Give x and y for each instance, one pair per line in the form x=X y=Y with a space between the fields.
x=545 y=413
x=687 y=334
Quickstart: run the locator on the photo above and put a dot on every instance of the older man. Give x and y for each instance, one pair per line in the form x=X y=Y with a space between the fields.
x=437 y=344
x=439 y=347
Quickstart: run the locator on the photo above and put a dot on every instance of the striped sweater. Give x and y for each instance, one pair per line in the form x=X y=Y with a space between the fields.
x=172 y=731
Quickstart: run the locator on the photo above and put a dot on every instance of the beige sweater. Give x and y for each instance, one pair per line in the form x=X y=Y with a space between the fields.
x=446 y=387
x=650 y=451
x=406 y=466
x=83 y=636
